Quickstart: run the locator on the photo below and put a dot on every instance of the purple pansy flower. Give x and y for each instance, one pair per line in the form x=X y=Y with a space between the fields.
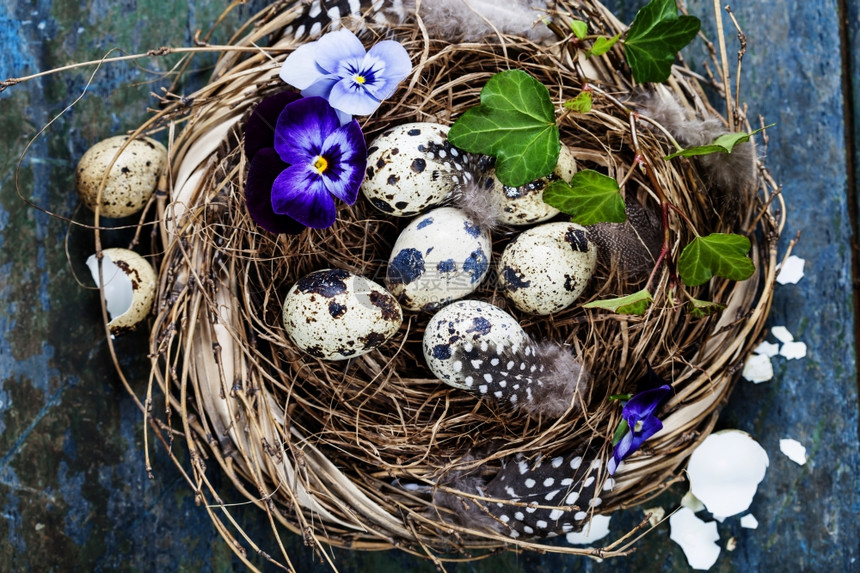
x=299 y=157
x=337 y=68
x=642 y=423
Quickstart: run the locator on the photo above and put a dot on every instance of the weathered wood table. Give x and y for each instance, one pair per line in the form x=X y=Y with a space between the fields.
x=75 y=494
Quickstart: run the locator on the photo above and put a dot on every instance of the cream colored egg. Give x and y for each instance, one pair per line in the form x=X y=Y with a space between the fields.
x=412 y=167
x=545 y=268
x=333 y=314
x=441 y=256
x=132 y=178
x=129 y=287
x=467 y=323
x=524 y=205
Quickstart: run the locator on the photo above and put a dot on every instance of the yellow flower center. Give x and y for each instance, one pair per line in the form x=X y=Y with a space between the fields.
x=320 y=164
x=638 y=426
x=359 y=79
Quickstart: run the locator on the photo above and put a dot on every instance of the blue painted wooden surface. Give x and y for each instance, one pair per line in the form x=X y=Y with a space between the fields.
x=72 y=482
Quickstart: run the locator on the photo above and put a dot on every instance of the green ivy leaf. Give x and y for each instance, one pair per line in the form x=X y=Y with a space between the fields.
x=515 y=123
x=581 y=103
x=589 y=198
x=718 y=254
x=602 y=45
x=655 y=37
x=580 y=28
x=723 y=144
x=636 y=303
x=702 y=308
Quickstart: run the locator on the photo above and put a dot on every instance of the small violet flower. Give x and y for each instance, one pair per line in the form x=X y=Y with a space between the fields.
x=337 y=68
x=299 y=157
x=639 y=414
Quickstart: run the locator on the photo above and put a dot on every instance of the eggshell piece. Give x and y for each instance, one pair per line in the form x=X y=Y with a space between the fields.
x=132 y=178
x=129 y=287
x=333 y=314
x=412 y=167
x=440 y=256
x=696 y=537
x=545 y=268
x=524 y=205
x=462 y=323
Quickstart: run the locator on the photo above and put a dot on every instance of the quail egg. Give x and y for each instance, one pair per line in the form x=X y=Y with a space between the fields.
x=128 y=287
x=441 y=256
x=524 y=205
x=545 y=268
x=132 y=178
x=412 y=167
x=465 y=324
x=333 y=314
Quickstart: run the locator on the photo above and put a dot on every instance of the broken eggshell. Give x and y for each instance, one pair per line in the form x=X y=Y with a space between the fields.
x=132 y=179
x=334 y=314
x=544 y=269
x=725 y=470
x=696 y=538
x=129 y=287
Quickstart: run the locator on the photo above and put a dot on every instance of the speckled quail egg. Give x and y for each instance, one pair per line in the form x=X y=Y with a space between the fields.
x=545 y=268
x=132 y=178
x=524 y=205
x=333 y=314
x=412 y=167
x=129 y=287
x=462 y=324
x=439 y=257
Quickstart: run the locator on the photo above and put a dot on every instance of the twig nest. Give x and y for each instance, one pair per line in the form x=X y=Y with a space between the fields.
x=524 y=205
x=129 y=287
x=333 y=314
x=439 y=257
x=412 y=167
x=467 y=324
x=725 y=471
x=132 y=178
x=544 y=269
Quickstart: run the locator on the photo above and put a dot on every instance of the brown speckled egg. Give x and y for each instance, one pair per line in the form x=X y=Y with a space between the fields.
x=334 y=314
x=524 y=205
x=545 y=268
x=129 y=287
x=132 y=179
x=412 y=167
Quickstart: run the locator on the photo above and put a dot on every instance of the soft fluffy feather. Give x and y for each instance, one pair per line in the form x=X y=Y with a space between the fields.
x=542 y=378
x=729 y=177
x=470 y=20
x=630 y=248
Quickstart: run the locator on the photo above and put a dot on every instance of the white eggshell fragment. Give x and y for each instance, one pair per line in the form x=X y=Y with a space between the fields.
x=749 y=521
x=132 y=178
x=412 y=167
x=791 y=271
x=758 y=368
x=333 y=314
x=440 y=256
x=129 y=287
x=795 y=451
x=597 y=528
x=696 y=538
x=725 y=470
x=546 y=268
x=524 y=205
x=462 y=323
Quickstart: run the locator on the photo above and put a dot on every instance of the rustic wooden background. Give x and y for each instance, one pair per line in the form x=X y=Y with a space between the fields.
x=73 y=490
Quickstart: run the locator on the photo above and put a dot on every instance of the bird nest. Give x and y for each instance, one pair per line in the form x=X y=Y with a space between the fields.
x=375 y=452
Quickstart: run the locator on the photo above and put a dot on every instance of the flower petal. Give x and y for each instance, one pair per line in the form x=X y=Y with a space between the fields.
x=260 y=127
x=322 y=87
x=299 y=192
x=336 y=49
x=644 y=404
x=263 y=170
x=352 y=98
x=300 y=69
x=301 y=129
x=390 y=61
x=346 y=151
